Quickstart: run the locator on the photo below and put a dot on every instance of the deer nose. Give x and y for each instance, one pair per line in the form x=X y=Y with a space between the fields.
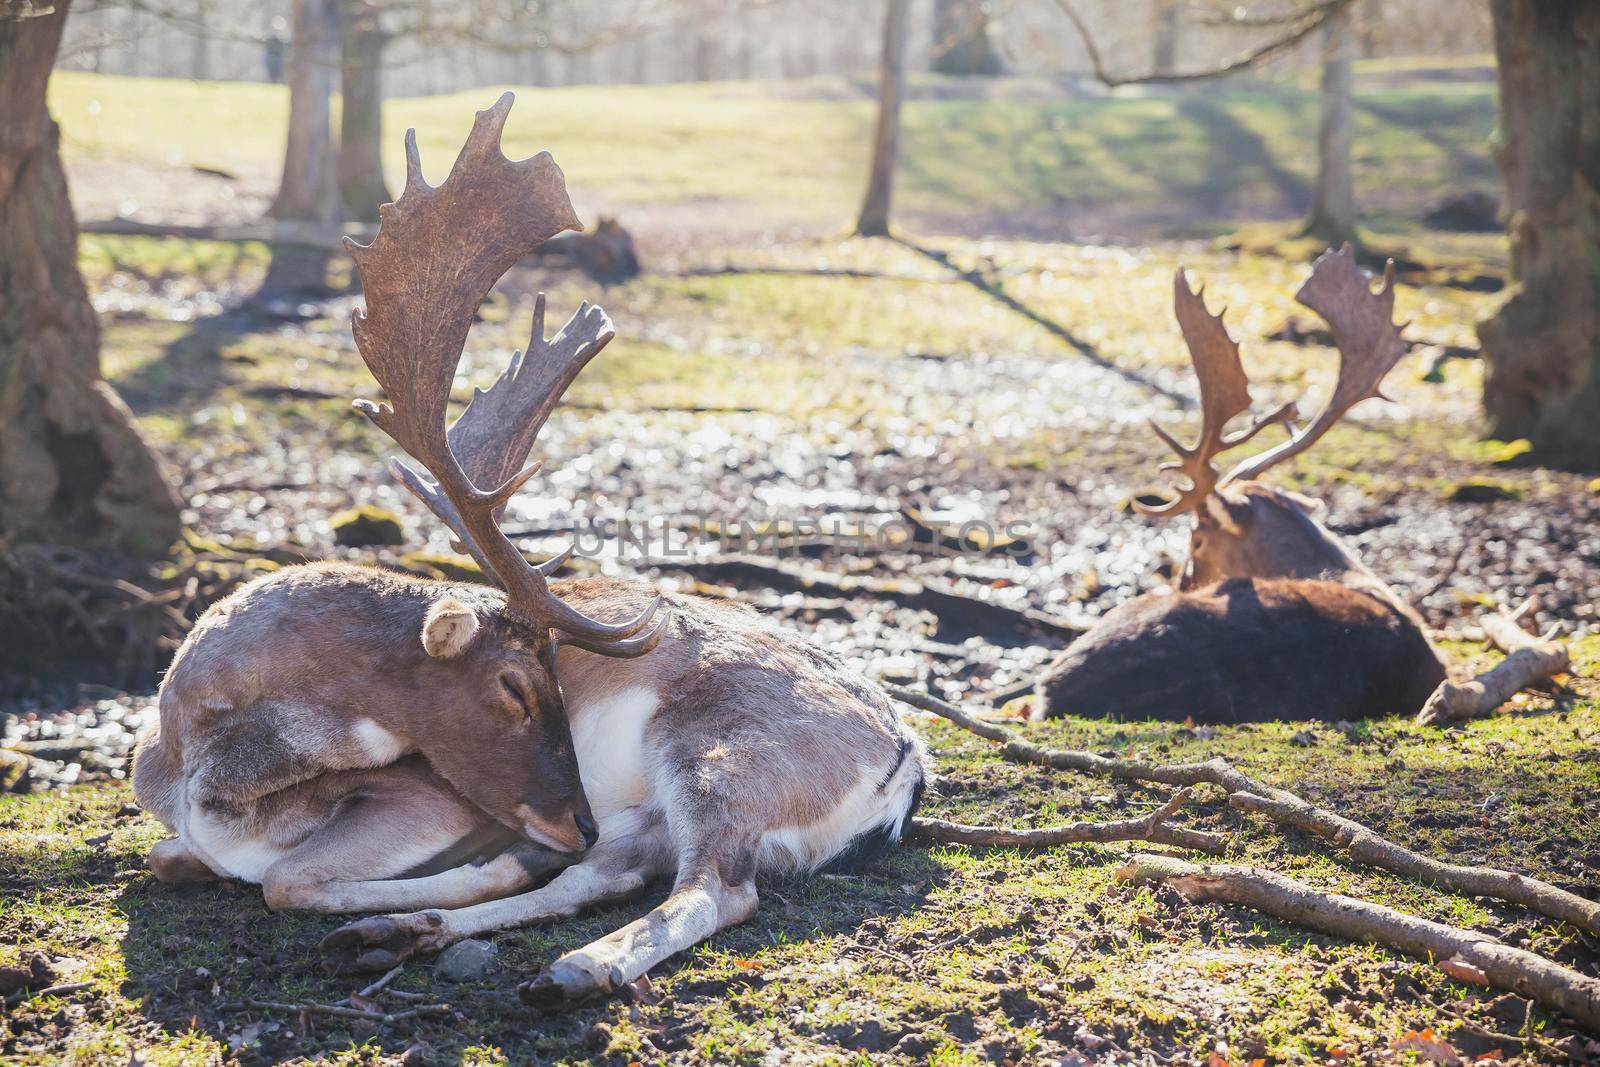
x=586 y=827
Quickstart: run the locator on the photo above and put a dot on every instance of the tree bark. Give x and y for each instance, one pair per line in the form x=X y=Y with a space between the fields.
x=1332 y=215
x=200 y=56
x=1542 y=344
x=962 y=41
x=874 y=218
x=1164 y=37
x=308 y=190
x=73 y=469
x=360 y=167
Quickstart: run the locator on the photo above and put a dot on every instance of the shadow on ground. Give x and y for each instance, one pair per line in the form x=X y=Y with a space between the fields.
x=194 y=954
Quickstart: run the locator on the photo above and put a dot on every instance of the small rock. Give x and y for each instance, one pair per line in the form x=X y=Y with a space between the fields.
x=367 y=526
x=14 y=771
x=1088 y=1038
x=464 y=960
x=33 y=971
x=1303 y=738
x=420 y=1054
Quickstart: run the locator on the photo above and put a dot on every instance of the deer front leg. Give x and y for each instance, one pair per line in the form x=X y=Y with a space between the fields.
x=706 y=898
x=380 y=942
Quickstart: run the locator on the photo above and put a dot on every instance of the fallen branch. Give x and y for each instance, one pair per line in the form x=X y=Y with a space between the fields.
x=1249 y=794
x=736 y=569
x=48 y=991
x=1151 y=827
x=381 y=1018
x=377 y=987
x=1529 y=661
x=1464 y=954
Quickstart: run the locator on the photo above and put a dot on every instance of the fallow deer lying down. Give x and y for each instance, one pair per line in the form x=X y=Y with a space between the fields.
x=358 y=740
x=1274 y=617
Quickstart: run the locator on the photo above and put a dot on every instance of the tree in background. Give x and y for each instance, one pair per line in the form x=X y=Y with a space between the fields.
x=874 y=218
x=963 y=38
x=360 y=166
x=73 y=469
x=309 y=189
x=1542 y=344
x=1332 y=213
x=1164 y=35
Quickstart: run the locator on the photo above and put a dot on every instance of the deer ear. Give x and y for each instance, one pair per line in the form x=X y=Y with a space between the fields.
x=448 y=628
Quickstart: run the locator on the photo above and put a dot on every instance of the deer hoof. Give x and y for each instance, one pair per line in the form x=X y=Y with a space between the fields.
x=379 y=942
x=562 y=985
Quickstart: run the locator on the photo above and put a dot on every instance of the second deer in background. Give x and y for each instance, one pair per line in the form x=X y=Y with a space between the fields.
x=1274 y=617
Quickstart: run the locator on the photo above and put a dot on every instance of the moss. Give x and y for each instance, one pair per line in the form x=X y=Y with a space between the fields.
x=443 y=566
x=367 y=526
x=1509 y=453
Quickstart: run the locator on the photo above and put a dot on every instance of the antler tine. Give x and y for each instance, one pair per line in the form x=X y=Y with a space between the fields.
x=437 y=253
x=1224 y=393
x=1364 y=332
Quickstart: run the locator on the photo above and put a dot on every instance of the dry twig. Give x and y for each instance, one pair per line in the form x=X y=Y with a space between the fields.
x=1151 y=827
x=1464 y=954
x=1529 y=661
x=1285 y=808
x=380 y=1018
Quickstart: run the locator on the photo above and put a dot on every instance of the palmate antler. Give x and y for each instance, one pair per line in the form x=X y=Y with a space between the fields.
x=1224 y=393
x=437 y=253
x=1369 y=345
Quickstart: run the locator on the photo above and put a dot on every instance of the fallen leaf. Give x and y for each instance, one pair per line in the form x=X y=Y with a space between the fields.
x=1492 y=1054
x=747 y=965
x=1427 y=1046
x=1463 y=971
x=364 y=1003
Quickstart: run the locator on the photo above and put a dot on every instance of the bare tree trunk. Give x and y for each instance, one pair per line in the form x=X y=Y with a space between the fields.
x=73 y=470
x=1542 y=345
x=200 y=57
x=874 y=219
x=308 y=190
x=1332 y=215
x=360 y=168
x=962 y=41
x=1164 y=52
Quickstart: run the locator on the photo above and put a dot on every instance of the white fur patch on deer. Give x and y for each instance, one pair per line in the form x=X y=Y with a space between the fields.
x=448 y=628
x=379 y=745
x=608 y=738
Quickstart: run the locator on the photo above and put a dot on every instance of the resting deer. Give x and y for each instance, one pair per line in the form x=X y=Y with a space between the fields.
x=358 y=740
x=1274 y=617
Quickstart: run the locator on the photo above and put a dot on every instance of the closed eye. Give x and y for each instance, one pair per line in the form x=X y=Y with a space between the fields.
x=514 y=691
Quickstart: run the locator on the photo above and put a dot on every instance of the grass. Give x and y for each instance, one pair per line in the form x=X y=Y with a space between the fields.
x=1183 y=163
x=948 y=955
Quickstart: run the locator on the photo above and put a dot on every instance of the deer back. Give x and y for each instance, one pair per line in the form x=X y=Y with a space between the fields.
x=1246 y=650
